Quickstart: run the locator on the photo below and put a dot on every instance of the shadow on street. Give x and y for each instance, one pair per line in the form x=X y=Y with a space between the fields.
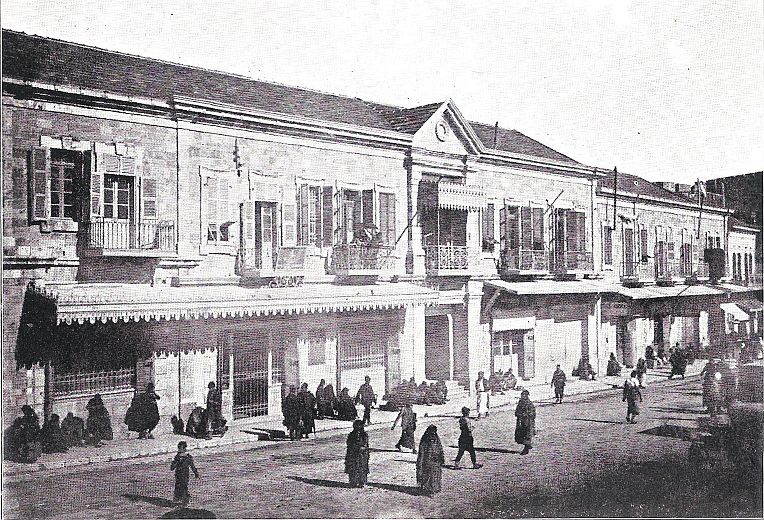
x=322 y=482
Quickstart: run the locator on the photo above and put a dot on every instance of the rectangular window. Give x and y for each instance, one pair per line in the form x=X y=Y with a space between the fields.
x=512 y=228
x=488 y=238
x=62 y=179
x=643 y=244
x=607 y=245
x=537 y=228
x=220 y=217
x=309 y=215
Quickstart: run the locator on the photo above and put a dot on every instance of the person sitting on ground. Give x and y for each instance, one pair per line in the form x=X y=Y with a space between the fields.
x=51 y=438
x=585 y=370
x=177 y=425
x=510 y=381
x=196 y=426
x=143 y=414
x=494 y=383
x=613 y=367
x=98 y=424
x=435 y=395
x=423 y=394
x=443 y=389
x=73 y=429
x=21 y=441
x=346 y=410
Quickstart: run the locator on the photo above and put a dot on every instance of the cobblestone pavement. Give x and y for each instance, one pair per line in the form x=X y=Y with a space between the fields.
x=587 y=462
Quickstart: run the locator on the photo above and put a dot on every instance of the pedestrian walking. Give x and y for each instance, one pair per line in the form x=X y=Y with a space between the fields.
x=525 y=427
x=630 y=395
x=558 y=382
x=466 y=441
x=357 y=455
x=407 y=417
x=481 y=389
x=641 y=370
x=290 y=408
x=181 y=464
x=367 y=398
x=307 y=410
x=429 y=463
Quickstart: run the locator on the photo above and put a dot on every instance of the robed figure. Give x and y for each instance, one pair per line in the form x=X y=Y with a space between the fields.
x=357 y=455
x=98 y=424
x=143 y=414
x=407 y=418
x=429 y=463
x=51 y=438
x=525 y=428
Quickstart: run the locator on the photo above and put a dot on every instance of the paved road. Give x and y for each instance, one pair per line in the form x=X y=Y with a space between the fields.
x=588 y=462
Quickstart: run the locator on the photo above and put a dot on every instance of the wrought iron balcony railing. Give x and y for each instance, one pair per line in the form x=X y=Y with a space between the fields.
x=526 y=260
x=448 y=259
x=574 y=261
x=129 y=236
x=363 y=259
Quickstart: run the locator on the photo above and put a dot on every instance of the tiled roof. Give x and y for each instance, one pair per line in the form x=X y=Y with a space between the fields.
x=33 y=58
x=407 y=120
x=513 y=141
x=633 y=185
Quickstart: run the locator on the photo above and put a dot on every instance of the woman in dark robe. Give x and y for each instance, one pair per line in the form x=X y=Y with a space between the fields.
x=346 y=407
x=329 y=401
x=307 y=410
x=407 y=417
x=613 y=367
x=630 y=394
x=429 y=463
x=73 y=429
x=357 y=455
x=51 y=438
x=290 y=409
x=98 y=424
x=320 y=400
x=196 y=426
x=22 y=438
x=143 y=414
x=526 y=422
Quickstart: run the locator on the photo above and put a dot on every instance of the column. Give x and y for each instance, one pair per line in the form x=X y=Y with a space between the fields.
x=450 y=318
x=415 y=253
x=478 y=346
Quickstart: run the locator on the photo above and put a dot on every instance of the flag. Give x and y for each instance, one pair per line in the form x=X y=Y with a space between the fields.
x=700 y=188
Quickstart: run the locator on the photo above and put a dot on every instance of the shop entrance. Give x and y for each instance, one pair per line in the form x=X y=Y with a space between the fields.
x=249 y=363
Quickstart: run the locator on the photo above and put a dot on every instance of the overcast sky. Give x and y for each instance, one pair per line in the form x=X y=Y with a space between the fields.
x=669 y=90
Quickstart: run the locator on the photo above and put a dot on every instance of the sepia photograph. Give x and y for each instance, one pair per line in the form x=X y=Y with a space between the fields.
x=337 y=259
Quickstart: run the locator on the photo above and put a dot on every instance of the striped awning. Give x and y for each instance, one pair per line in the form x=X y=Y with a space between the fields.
x=449 y=195
x=81 y=303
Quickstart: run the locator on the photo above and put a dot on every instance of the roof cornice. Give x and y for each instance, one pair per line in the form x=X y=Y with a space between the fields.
x=646 y=198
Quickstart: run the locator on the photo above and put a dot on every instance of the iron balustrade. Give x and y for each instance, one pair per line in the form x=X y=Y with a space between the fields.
x=92 y=382
x=576 y=260
x=637 y=270
x=666 y=269
x=447 y=257
x=126 y=236
x=361 y=257
x=526 y=260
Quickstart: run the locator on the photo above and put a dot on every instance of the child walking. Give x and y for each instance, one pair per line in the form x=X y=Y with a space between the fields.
x=181 y=465
x=466 y=441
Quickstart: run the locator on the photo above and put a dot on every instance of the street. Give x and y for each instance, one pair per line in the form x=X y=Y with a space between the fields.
x=587 y=462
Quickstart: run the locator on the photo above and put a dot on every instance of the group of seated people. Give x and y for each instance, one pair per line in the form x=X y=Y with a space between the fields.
x=25 y=440
x=202 y=423
x=499 y=382
x=408 y=392
x=329 y=405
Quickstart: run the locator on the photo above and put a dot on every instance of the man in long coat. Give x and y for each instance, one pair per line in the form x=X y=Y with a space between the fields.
x=558 y=382
x=290 y=407
x=307 y=410
x=367 y=398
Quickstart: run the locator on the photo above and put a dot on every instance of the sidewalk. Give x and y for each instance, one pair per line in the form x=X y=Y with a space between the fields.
x=255 y=433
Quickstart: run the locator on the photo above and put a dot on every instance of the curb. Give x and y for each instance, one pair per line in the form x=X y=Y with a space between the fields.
x=160 y=452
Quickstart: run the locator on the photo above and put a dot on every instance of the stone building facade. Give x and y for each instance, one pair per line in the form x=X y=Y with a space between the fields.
x=178 y=226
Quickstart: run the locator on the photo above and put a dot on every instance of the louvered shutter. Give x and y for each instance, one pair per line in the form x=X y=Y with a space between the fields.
x=581 y=231
x=488 y=236
x=503 y=228
x=339 y=216
x=537 y=216
x=607 y=245
x=248 y=239
x=327 y=216
x=387 y=218
x=571 y=231
x=289 y=217
x=39 y=178
x=304 y=215
x=367 y=207
x=148 y=194
x=358 y=213
x=526 y=228
x=695 y=254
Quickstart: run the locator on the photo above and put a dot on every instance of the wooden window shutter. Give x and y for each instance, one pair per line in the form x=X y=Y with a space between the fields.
x=488 y=219
x=248 y=224
x=571 y=230
x=288 y=224
x=391 y=219
x=304 y=215
x=537 y=216
x=503 y=228
x=327 y=216
x=339 y=216
x=367 y=207
x=607 y=245
x=526 y=227
x=582 y=231
x=358 y=213
x=387 y=218
x=39 y=178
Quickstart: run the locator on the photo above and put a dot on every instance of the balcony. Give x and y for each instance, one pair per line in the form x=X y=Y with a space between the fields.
x=636 y=272
x=525 y=261
x=666 y=271
x=448 y=260
x=574 y=261
x=121 y=238
x=361 y=260
x=285 y=268
x=251 y=263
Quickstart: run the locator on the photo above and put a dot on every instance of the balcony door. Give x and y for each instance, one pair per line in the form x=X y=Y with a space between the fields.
x=265 y=233
x=118 y=211
x=628 y=252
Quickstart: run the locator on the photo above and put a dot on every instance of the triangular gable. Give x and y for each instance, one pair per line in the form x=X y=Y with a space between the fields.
x=447 y=131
